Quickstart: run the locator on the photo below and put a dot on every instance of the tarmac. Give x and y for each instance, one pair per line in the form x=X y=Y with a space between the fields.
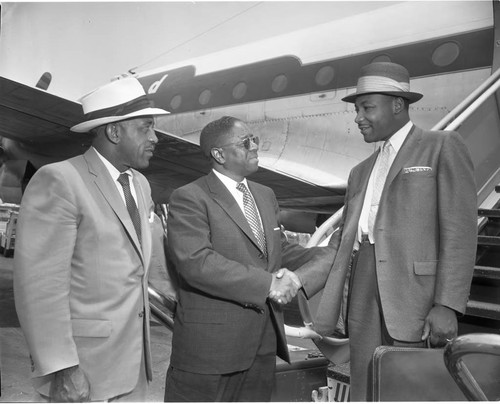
x=15 y=365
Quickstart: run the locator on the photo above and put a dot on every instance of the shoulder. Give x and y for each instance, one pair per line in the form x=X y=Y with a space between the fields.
x=439 y=136
x=194 y=187
x=256 y=187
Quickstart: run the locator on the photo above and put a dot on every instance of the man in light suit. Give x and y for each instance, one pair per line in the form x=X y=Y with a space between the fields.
x=232 y=278
x=83 y=248
x=408 y=229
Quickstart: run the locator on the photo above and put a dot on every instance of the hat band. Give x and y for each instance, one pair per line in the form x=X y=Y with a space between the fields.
x=122 y=109
x=375 y=84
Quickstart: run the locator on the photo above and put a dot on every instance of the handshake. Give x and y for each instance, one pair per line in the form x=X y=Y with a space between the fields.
x=284 y=286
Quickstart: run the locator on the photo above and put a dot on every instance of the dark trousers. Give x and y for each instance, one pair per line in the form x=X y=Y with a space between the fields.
x=366 y=325
x=253 y=384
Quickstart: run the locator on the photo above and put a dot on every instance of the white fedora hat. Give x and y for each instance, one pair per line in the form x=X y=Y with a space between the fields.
x=116 y=101
x=384 y=78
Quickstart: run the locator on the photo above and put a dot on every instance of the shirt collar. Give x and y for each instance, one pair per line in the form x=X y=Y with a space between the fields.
x=399 y=137
x=229 y=182
x=110 y=167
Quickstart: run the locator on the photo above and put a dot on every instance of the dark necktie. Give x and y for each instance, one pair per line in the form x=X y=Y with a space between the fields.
x=252 y=216
x=123 y=179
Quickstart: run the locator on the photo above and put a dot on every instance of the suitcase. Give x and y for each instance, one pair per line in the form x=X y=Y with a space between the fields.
x=306 y=372
x=420 y=374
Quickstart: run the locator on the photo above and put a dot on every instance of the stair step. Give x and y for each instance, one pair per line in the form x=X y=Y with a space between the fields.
x=488 y=241
x=490 y=213
x=486 y=272
x=483 y=309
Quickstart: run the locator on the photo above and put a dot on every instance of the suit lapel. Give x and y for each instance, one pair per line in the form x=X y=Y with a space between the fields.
x=404 y=155
x=267 y=216
x=360 y=184
x=223 y=197
x=144 y=213
x=107 y=187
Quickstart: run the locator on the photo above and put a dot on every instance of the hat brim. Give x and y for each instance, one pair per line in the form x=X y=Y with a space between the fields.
x=87 y=126
x=411 y=97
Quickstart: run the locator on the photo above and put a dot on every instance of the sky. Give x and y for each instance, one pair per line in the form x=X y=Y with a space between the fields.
x=85 y=44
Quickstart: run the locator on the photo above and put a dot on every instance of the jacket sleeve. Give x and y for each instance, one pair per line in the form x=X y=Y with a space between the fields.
x=457 y=209
x=46 y=235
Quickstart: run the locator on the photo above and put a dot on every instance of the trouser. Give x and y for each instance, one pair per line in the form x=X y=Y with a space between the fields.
x=253 y=384
x=366 y=326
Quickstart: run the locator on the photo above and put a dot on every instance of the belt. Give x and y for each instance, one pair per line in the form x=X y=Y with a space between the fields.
x=364 y=238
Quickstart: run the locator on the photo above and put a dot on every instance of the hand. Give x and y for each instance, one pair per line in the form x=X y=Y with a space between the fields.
x=440 y=325
x=284 y=286
x=70 y=386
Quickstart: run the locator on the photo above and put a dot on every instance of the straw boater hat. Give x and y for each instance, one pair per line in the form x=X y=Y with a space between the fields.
x=116 y=101
x=384 y=78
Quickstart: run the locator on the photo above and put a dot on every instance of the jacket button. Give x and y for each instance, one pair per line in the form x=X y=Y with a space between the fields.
x=141 y=314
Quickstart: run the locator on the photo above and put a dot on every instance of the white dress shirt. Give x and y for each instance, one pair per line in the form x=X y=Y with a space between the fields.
x=396 y=142
x=115 y=174
x=231 y=185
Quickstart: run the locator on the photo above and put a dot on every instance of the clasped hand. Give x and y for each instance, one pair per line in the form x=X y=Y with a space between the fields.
x=284 y=286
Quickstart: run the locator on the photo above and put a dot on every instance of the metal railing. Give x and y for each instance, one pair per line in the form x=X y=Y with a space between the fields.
x=465 y=345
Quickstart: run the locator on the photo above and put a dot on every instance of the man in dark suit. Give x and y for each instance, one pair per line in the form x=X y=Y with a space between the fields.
x=408 y=229
x=83 y=251
x=234 y=272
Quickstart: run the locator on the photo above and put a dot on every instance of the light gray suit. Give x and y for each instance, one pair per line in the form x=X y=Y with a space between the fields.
x=80 y=278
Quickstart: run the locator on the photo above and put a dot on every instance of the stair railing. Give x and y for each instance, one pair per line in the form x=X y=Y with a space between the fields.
x=464 y=345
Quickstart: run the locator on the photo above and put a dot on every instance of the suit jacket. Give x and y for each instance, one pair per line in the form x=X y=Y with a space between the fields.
x=224 y=278
x=80 y=278
x=425 y=233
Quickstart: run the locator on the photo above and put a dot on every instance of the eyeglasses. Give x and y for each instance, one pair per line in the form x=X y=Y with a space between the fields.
x=246 y=143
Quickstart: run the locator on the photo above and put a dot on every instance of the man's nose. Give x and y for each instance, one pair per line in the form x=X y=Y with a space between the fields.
x=152 y=137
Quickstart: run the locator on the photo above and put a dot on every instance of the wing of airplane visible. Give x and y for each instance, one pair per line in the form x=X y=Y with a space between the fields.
x=177 y=162
x=35 y=126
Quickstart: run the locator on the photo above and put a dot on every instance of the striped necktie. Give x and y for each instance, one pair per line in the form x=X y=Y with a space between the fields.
x=378 y=184
x=123 y=179
x=252 y=216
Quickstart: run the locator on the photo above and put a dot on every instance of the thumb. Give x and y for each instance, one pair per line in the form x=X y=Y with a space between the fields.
x=426 y=331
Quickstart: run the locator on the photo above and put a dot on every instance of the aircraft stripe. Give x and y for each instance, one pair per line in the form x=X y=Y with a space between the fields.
x=286 y=76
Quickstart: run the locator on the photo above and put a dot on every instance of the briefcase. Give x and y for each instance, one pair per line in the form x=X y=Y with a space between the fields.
x=420 y=374
x=306 y=372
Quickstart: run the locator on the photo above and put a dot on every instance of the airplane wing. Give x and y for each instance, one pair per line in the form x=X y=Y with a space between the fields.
x=178 y=162
x=35 y=126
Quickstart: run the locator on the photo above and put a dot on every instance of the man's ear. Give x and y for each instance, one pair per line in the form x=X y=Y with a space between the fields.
x=217 y=155
x=398 y=105
x=112 y=133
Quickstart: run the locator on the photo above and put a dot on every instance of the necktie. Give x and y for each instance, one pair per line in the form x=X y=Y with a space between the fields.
x=129 y=201
x=378 y=184
x=252 y=216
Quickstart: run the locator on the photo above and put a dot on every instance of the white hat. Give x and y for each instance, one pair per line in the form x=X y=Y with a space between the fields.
x=116 y=101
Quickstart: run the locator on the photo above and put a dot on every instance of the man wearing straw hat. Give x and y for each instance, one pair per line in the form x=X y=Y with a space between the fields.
x=408 y=229
x=83 y=248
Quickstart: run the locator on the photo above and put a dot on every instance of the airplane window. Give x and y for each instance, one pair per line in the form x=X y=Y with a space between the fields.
x=279 y=83
x=239 y=90
x=176 y=101
x=204 y=97
x=324 y=75
x=445 y=54
x=381 y=58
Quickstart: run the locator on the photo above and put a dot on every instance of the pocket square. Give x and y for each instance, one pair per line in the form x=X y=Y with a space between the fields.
x=416 y=169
